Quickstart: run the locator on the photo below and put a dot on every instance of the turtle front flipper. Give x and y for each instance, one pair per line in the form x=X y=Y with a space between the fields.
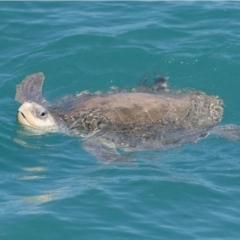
x=103 y=151
x=30 y=89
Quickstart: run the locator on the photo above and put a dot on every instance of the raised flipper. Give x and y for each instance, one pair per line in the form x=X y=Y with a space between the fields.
x=103 y=151
x=30 y=89
x=159 y=84
x=230 y=132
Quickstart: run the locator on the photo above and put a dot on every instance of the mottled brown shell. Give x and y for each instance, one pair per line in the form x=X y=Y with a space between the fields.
x=143 y=112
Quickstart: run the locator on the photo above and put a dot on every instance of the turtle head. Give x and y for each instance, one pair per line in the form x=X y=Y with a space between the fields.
x=36 y=116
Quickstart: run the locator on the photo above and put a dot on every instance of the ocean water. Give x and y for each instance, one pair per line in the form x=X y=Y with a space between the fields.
x=51 y=188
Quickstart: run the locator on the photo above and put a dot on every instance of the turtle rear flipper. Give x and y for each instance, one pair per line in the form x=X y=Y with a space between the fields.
x=30 y=89
x=103 y=151
x=159 y=84
x=231 y=132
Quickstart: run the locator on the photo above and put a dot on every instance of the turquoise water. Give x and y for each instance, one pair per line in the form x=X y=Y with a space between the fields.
x=51 y=188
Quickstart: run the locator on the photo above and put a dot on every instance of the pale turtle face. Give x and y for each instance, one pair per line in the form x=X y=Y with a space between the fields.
x=34 y=115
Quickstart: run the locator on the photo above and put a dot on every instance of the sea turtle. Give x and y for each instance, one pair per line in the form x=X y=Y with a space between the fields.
x=145 y=118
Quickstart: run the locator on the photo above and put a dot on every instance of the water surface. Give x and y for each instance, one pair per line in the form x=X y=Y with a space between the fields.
x=51 y=188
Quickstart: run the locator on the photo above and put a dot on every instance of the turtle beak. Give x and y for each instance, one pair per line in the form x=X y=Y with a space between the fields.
x=24 y=115
x=21 y=118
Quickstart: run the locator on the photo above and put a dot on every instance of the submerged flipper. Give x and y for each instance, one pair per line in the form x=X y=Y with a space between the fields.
x=231 y=132
x=30 y=89
x=103 y=151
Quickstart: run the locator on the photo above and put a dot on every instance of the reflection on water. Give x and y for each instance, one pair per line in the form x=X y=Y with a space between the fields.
x=30 y=177
x=46 y=197
x=33 y=170
x=25 y=144
x=33 y=173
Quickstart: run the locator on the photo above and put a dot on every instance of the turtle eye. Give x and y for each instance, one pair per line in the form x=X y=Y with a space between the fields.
x=42 y=114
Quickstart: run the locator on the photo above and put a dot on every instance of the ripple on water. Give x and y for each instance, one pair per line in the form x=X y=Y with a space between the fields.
x=50 y=186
